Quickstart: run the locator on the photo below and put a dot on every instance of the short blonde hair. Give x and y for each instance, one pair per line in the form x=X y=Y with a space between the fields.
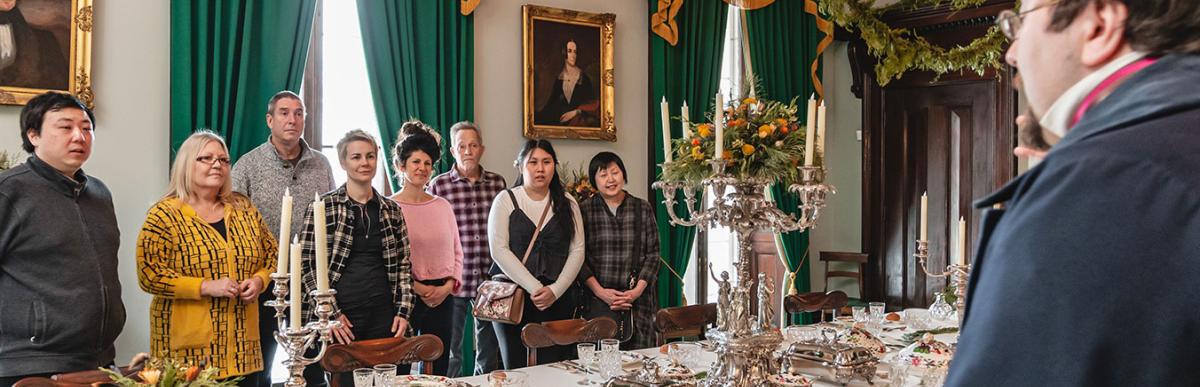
x=181 y=170
x=352 y=136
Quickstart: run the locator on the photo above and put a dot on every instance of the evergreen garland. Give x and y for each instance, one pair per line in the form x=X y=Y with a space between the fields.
x=900 y=50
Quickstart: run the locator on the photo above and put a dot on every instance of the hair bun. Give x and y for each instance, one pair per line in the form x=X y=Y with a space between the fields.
x=418 y=128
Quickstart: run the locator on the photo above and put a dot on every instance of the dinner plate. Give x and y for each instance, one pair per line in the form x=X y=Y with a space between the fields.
x=425 y=380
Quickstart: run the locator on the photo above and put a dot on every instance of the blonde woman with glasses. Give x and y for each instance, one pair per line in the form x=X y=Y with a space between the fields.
x=204 y=253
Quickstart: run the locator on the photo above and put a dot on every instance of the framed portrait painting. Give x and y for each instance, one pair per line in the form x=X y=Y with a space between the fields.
x=568 y=74
x=45 y=45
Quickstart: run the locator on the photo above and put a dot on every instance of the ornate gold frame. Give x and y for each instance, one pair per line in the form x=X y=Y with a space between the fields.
x=605 y=21
x=80 y=63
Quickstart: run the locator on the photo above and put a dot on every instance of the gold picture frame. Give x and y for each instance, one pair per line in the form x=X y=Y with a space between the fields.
x=47 y=26
x=568 y=74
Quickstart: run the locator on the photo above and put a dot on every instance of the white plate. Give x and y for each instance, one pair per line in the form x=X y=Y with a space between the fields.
x=424 y=380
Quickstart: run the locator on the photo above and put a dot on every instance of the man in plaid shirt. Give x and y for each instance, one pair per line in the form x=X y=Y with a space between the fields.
x=470 y=190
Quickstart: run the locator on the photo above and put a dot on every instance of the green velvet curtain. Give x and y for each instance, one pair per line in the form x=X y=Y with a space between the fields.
x=689 y=71
x=420 y=62
x=228 y=57
x=783 y=41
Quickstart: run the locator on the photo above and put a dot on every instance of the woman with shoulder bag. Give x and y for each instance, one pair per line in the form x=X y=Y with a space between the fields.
x=622 y=250
x=536 y=209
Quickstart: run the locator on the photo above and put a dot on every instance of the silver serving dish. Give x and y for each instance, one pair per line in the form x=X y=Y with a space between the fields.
x=830 y=360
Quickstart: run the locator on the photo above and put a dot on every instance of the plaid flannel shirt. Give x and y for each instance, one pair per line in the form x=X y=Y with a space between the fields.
x=340 y=228
x=471 y=203
x=611 y=242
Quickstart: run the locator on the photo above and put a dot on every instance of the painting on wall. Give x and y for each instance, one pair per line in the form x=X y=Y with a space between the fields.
x=568 y=74
x=45 y=45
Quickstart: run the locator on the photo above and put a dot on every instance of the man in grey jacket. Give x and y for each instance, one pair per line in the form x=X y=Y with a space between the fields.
x=1086 y=276
x=60 y=296
x=283 y=163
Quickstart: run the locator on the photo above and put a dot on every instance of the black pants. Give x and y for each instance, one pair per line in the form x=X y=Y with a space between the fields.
x=370 y=322
x=512 y=349
x=437 y=321
x=266 y=332
x=8 y=381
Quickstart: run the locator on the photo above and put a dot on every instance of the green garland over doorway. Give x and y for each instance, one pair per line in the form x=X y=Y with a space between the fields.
x=900 y=50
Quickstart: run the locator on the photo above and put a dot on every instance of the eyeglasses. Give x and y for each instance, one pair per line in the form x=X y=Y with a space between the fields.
x=1010 y=22
x=211 y=160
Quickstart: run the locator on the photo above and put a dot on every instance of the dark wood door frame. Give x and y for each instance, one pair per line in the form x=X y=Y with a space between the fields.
x=944 y=27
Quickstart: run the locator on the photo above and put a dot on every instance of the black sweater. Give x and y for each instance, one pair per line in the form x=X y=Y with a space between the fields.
x=60 y=296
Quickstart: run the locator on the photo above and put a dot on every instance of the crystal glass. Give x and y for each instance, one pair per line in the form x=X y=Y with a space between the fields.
x=587 y=356
x=941 y=310
x=385 y=375
x=917 y=319
x=898 y=372
x=506 y=379
x=860 y=313
x=364 y=377
x=877 y=311
x=610 y=358
x=684 y=353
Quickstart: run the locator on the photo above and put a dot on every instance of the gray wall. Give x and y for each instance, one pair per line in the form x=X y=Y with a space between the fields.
x=498 y=87
x=840 y=226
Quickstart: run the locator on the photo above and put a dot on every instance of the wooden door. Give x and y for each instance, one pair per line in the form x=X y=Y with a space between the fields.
x=950 y=136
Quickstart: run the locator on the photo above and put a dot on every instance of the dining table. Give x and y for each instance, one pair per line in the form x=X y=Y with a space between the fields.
x=565 y=374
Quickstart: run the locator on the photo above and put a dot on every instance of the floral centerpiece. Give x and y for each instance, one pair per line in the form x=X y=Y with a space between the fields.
x=762 y=139
x=576 y=182
x=170 y=373
x=7 y=160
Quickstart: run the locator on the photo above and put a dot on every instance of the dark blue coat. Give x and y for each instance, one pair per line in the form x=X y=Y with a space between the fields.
x=1090 y=275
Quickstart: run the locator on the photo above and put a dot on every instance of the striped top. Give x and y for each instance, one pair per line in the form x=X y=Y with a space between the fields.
x=176 y=251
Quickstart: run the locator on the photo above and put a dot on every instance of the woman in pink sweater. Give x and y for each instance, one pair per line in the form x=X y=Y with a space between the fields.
x=433 y=236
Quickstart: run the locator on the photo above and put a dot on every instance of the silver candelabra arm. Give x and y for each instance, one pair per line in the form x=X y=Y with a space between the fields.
x=669 y=189
x=280 y=303
x=959 y=273
x=296 y=342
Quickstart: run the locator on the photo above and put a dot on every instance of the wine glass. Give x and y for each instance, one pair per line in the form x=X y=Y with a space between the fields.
x=587 y=356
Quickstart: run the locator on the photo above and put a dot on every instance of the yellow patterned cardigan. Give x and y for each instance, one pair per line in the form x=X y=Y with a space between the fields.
x=176 y=251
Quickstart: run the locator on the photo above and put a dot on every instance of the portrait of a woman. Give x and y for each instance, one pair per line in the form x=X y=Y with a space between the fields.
x=572 y=100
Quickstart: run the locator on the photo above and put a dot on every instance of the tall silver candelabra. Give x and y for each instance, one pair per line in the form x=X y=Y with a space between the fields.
x=745 y=343
x=959 y=272
x=296 y=341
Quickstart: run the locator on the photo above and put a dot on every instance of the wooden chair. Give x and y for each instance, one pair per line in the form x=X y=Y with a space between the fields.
x=77 y=379
x=684 y=321
x=342 y=358
x=816 y=302
x=565 y=332
x=857 y=276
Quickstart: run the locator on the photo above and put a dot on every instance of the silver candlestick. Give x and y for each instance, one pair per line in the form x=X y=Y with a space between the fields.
x=296 y=341
x=959 y=273
x=744 y=348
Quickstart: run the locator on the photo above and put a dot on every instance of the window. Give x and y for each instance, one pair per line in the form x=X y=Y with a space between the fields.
x=345 y=92
x=718 y=246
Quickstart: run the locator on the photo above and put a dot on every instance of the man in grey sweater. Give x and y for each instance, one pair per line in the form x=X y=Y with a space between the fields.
x=60 y=296
x=283 y=163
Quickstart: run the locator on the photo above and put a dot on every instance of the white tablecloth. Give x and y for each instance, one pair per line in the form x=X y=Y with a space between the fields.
x=545 y=375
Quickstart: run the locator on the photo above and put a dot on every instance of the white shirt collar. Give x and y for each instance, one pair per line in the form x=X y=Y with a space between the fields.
x=1057 y=119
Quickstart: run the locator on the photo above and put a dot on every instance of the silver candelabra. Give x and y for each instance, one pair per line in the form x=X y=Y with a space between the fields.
x=745 y=343
x=959 y=272
x=296 y=341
